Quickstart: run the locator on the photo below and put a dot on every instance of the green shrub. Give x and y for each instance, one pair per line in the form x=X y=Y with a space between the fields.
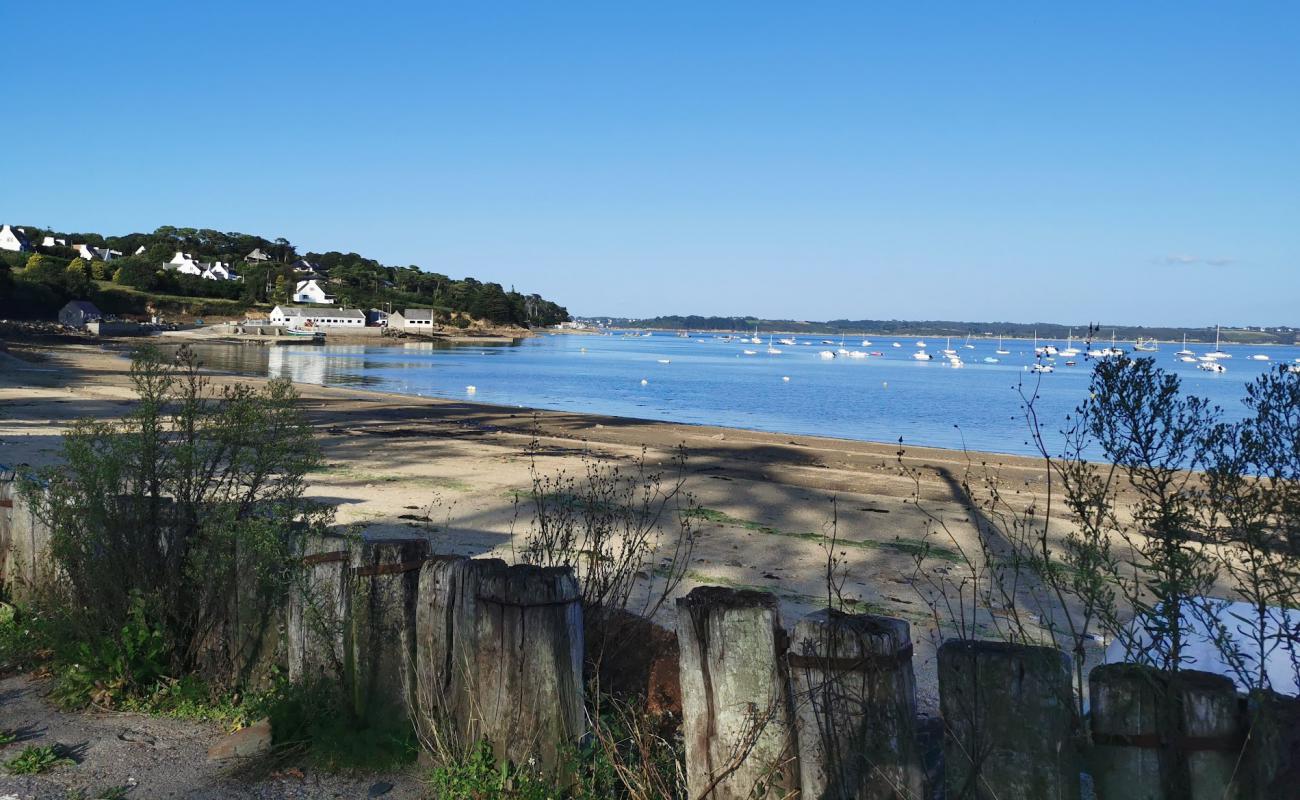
x=173 y=528
x=34 y=760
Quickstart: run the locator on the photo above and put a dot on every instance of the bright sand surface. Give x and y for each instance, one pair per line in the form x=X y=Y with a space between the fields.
x=392 y=460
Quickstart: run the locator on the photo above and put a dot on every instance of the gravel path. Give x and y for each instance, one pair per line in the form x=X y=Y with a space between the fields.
x=155 y=757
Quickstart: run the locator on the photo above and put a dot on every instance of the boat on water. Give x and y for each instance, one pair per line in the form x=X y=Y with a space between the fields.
x=990 y=360
x=1145 y=345
x=826 y=354
x=1187 y=359
x=750 y=352
x=1259 y=357
x=1107 y=352
x=968 y=345
x=1217 y=353
x=1045 y=350
x=665 y=361
x=896 y=344
x=755 y=339
x=771 y=350
x=920 y=343
x=866 y=342
x=947 y=349
x=1002 y=351
x=1070 y=350
x=955 y=362
x=828 y=341
x=788 y=342
x=313 y=333
x=1184 y=351
x=857 y=354
x=921 y=355
x=1211 y=366
x=1042 y=368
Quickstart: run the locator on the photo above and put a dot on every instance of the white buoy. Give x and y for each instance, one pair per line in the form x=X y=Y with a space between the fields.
x=884 y=384
x=644 y=382
x=785 y=378
x=471 y=389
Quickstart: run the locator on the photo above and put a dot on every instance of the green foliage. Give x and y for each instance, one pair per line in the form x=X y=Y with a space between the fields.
x=7 y=737
x=177 y=522
x=34 y=760
x=44 y=269
x=108 y=671
x=478 y=776
x=313 y=720
x=76 y=278
x=98 y=270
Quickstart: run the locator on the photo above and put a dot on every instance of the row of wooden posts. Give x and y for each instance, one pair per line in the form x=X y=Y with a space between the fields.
x=473 y=649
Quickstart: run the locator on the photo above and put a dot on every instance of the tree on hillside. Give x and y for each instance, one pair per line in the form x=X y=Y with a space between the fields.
x=43 y=269
x=281 y=293
x=76 y=278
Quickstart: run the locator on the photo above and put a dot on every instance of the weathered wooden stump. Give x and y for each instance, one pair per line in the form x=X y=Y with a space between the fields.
x=6 y=518
x=737 y=718
x=499 y=657
x=1273 y=748
x=380 y=649
x=1158 y=736
x=29 y=565
x=855 y=707
x=317 y=612
x=1009 y=718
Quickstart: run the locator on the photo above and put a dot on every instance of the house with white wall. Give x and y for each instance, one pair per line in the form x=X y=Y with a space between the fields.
x=50 y=241
x=310 y=291
x=414 y=320
x=91 y=253
x=300 y=316
x=14 y=239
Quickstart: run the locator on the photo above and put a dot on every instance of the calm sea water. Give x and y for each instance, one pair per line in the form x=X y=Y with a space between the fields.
x=708 y=381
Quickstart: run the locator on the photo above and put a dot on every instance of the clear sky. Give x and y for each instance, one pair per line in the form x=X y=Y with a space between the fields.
x=1127 y=162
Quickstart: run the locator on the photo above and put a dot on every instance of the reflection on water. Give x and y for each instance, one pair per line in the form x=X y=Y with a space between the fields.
x=706 y=381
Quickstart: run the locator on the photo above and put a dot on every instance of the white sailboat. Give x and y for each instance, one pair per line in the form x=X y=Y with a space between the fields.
x=1002 y=351
x=1070 y=350
x=755 y=339
x=1145 y=345
x=772 y=351
x=968 y=345
x=866 y=342
x=947 y=349
x=1184 y=351
x=1217 y=352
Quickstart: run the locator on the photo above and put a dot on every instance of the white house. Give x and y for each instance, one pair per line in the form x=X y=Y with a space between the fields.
x=14 y=239
x=186 y=264
x=256 y=256
x=412 y=319
x=138 y=251
x=311 y=292
x=50 y=241
x=90 y=252
x=299 y=316
x=217 y=271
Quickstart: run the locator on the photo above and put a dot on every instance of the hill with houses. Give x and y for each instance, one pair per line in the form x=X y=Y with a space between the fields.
x=202 y=271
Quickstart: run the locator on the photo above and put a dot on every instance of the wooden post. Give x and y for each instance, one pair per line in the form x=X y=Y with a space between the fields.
x=1008 y=713
x=1273 y=748
x=737 y=719
x=6 y=518
x=315 y=619
x=380 y=651
x=855 y=707
x=1159 y=735
x=29 y=564
x=499 y=657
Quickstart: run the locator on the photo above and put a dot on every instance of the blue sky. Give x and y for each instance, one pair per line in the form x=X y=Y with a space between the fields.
x=1135 y=163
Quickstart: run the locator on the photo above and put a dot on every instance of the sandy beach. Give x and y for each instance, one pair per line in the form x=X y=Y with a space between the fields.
x=451 y=471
